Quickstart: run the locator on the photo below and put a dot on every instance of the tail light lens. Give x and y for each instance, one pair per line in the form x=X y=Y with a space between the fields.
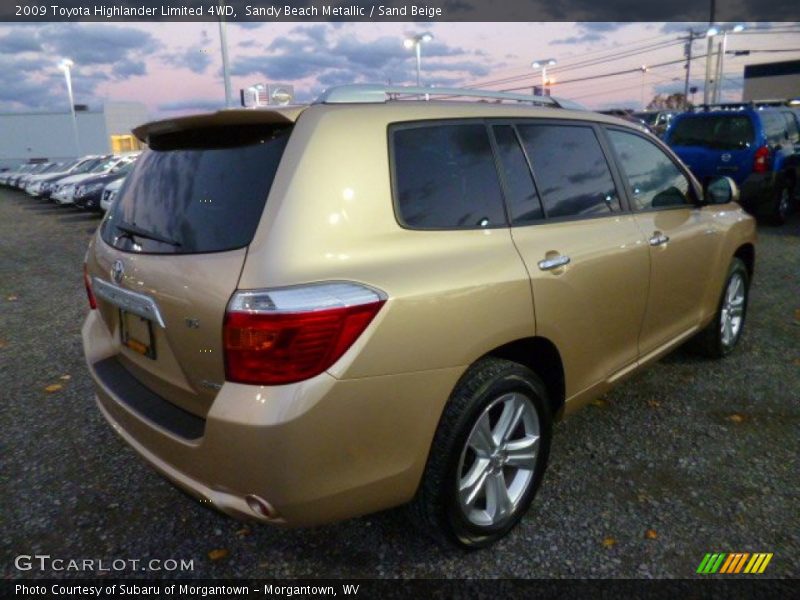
x=87 y=281
x=761 y=160
x=285 y=335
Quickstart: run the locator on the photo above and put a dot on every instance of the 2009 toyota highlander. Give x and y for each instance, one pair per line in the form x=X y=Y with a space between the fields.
x=303 y=314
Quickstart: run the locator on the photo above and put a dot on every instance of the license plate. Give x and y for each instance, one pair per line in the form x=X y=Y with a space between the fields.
x=137 y=334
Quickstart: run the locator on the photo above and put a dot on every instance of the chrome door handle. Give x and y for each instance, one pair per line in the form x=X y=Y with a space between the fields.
x=659 y=239
x=549 y=264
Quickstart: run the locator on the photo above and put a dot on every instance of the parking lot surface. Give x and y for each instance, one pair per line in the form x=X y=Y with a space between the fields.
x=689 y=457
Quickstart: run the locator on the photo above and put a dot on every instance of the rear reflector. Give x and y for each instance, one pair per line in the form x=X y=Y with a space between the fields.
x=87 y=282
x=286 y=335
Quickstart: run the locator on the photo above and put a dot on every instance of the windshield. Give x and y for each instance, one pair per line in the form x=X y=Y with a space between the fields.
x=104 y=165
x=721 y=132
x=87 y=166
x=196 y=191
x=649 y=118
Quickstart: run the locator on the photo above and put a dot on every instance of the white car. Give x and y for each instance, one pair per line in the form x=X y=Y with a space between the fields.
x=110 y=193
x=65 y=192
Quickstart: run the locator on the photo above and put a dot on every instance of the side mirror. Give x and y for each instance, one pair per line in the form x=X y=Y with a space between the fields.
x=722 y=190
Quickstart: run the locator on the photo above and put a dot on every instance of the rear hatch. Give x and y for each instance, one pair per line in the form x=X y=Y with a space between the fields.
x=175 y=242
x=715 y=144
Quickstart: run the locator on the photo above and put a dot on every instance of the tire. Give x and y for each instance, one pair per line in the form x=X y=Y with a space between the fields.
x=781 y=204
x=714 y=341
x=462 y=452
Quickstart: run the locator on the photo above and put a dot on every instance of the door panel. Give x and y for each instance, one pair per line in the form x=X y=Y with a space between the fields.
x=592 y=307
x=680 y=271
x=682 y=239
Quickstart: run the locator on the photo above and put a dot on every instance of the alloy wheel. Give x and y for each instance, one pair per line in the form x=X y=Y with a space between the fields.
x=732 y=314
x=497 y=463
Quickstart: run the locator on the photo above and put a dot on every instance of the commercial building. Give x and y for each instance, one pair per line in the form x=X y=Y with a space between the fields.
x=50 y=135
x=772 y=81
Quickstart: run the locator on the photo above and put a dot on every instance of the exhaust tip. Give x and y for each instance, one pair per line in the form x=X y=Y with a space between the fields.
x=260 y=507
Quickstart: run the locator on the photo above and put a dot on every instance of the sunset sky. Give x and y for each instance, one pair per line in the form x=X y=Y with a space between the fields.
x=176 y=67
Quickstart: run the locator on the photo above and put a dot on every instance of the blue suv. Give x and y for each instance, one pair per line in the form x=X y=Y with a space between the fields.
x=757 y=146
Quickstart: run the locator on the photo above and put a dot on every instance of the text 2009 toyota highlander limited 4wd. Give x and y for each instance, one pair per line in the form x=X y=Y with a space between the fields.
x=304 y=314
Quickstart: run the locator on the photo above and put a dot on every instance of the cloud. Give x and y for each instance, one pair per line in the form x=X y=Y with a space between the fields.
x=97 y=43
x=19 y=40
x=195 y=58
x=129 y=68
x=580 y=39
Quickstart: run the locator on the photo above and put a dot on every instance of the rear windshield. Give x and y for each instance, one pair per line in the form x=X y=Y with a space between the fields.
x=198 y=191
x=721 y=132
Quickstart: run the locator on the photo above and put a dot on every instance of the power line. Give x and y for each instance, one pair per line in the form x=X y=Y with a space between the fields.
x=612 y=55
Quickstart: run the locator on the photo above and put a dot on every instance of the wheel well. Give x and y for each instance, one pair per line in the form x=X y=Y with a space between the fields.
x=540 y=356
x=747 y=254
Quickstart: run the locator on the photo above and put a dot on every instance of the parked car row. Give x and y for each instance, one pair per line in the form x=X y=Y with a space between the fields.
x=81 y=182
x=756 y=145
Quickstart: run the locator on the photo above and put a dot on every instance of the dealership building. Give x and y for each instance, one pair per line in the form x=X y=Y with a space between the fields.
x=772 y=81
x=35 y=136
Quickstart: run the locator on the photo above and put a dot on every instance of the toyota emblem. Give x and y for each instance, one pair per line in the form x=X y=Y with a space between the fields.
x=726 y=157
x=117 y=271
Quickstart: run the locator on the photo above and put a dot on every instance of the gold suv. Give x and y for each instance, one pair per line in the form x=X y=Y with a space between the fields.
x=303 y=314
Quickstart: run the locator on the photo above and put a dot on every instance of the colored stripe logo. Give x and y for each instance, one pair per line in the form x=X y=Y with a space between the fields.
x=734 y=562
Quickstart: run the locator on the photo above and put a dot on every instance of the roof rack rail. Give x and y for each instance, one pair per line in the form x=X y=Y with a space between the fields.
x=744 y=104
x=374 y=93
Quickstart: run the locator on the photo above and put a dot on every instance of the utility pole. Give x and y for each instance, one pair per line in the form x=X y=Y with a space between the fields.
x=688 y=69
x=709 y=52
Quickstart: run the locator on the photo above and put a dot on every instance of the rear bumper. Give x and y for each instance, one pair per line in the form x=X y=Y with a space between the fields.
x=316 y=451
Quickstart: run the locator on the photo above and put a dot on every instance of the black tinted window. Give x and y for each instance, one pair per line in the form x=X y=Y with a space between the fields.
x=792 y=127
x=654 y=179
x=721 y=132
x=521 y=197
x=571 y=170
x=197 y=191
x=446 y=178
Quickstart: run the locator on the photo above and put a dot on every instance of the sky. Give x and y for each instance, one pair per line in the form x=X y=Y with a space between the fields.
x=175 y=68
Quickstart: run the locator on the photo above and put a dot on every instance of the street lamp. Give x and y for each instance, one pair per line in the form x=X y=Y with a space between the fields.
x=416 y=41
x=712 y=32
x=65 y=65
x=644 y=72
x=543 y=64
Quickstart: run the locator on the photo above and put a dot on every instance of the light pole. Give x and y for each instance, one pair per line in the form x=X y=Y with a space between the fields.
x=721 y=49
x=543 y=64
x=644 y=72
x=65 y=65
x=416 y=41
x=223 y=42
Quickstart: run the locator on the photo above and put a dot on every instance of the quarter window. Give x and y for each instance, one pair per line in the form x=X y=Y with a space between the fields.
x=655 y=180
x=571 y=170
x=445 y=178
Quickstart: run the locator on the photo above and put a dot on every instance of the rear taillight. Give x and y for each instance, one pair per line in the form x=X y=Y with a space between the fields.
x=761 y=160
x=87 y=281
x=285 y=335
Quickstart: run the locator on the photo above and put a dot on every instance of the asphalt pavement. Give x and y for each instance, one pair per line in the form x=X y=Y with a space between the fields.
x=688 y=457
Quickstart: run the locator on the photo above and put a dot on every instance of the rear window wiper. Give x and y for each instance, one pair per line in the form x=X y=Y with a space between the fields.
x=132 y=229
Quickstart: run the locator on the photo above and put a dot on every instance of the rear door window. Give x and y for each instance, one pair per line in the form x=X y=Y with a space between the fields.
x=774 y=127
x=571 y=170
x=445 y=177
x=197 y=191
x=523 y=201
x=654 y=179
x=720 y=132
